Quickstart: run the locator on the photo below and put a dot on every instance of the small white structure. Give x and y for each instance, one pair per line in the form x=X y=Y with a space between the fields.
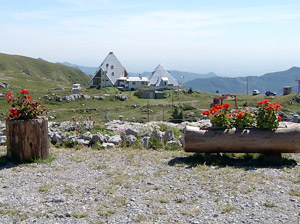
x=76 y=88
x=162 y=79
x=132 y=83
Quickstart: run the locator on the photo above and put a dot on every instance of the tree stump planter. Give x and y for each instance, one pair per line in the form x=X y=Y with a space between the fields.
x=248 y=140
x=27 y=139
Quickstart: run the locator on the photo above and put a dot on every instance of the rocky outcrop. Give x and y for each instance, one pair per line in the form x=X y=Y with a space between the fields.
x=80 y=132
x=4 y=85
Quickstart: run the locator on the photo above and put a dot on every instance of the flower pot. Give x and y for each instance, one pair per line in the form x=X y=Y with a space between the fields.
x=243 y=140
x=27 y=139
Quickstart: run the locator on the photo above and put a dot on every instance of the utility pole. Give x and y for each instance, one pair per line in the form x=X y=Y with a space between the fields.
x=298 y=85
x=247 y=86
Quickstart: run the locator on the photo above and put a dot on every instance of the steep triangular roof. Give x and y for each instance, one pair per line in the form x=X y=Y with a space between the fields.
x=113 y=66
x=160 y=72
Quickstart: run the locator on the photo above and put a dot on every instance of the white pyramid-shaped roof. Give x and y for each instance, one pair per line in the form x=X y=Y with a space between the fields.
x=113 y=66
x=161 y=74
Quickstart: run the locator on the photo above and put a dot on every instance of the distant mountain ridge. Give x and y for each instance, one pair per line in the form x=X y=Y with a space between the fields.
x=84 y=69
x=274 y=81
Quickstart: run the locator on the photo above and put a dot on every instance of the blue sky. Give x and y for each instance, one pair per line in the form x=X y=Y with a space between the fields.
x=230 y=38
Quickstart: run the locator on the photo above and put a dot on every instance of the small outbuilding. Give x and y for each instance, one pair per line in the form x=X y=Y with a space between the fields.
x=150 y=94
x=287 y=90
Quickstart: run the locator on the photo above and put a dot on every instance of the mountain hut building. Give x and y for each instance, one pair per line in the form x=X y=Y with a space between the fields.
x=161 y=79
x=108 y=72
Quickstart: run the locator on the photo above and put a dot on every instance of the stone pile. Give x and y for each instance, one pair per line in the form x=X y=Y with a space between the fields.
x=123 y=132
x=74 y=97
x=2 y=133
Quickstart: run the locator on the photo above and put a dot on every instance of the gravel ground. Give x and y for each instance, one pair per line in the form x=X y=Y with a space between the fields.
x=146 y=186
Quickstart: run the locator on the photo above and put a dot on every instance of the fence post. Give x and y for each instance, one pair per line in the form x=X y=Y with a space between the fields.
x=148 y=110
x=172 y=100
x=106 y=115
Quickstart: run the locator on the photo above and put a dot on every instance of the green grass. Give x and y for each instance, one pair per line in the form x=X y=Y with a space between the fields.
x=45 y=188
x=294 y=192
x=49 y=159
x=43 y=74
x=80 y=215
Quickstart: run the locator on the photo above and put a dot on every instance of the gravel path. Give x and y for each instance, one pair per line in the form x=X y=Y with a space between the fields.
x=146 y=186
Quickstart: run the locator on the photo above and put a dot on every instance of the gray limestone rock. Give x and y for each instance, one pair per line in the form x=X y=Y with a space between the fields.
x=83 y=142
x=157 y=134
x=87 y=136
x=2 y=139
x=98 y=138
x=131 y=131
x=168 y=135
x=58 y=99
x=145 y=141
x=108 y=145
x=130 y=139
x=116 y=139
x=99 y=97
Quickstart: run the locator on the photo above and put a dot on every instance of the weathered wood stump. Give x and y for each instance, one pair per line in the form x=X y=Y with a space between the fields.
x=27 y=139
x=248 y=140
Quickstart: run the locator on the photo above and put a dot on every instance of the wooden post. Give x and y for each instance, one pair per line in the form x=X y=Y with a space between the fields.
x=27 y=139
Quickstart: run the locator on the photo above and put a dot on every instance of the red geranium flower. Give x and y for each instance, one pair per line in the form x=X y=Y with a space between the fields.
x=260 y=103
x=277 y=106
x=240 y=115
x=8 y=95
x=25 y=91
x=279 y=118
x=227 y=105
x=23 y=107
x=206 y=112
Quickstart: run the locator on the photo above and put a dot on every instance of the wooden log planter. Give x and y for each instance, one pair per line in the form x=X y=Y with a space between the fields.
x=249 y=140
x=27 y=139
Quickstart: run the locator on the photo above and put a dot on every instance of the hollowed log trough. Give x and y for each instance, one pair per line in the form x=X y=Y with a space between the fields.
x=284 y=139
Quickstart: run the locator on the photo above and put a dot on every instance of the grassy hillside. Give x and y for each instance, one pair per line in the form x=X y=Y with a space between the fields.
x=270 y=81
x=40 y=77
x=25 y=72
x=135 y=109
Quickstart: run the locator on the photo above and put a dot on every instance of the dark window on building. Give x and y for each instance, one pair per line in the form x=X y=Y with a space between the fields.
x=112 y=73
x=133 y=83
x=112 y=67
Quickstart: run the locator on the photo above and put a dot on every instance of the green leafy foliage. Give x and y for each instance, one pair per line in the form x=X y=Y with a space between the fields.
x=267 y=115
x=243 y=119
x=177 y=116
